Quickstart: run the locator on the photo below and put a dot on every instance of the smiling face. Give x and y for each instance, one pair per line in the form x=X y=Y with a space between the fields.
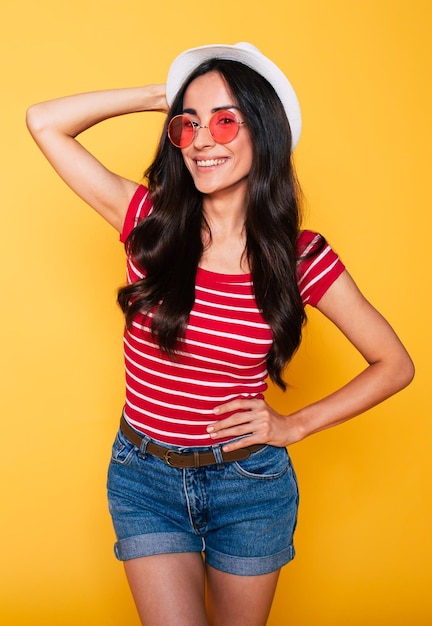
x=217 y=169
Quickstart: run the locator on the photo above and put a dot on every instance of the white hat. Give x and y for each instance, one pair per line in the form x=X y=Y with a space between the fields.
x=245 y=53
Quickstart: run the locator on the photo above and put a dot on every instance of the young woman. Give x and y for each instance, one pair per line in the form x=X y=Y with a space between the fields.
x=218 y=277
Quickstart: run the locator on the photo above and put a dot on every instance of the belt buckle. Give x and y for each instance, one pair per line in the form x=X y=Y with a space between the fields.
x=167 y=457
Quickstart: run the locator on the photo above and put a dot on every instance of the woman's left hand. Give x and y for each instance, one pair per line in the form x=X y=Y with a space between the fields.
x=255 y=421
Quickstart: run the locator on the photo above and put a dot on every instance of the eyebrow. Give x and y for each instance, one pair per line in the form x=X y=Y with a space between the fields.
x=215 y=110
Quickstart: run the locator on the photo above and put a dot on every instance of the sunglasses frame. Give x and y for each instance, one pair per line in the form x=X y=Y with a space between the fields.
x=196 y=127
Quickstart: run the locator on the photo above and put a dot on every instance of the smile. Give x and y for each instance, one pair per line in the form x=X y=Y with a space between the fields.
x=210 y=162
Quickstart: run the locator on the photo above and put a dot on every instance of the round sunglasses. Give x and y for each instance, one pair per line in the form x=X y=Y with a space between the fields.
x=223 y=126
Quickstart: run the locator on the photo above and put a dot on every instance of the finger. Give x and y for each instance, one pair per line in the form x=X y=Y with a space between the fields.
x=244 y=442
x=237 y=405
x=232 y=432
x=245 y=417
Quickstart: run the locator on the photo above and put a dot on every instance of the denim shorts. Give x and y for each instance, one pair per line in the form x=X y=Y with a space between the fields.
x=241 y=515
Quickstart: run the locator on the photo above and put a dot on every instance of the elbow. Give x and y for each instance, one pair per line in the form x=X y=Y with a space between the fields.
x=410 y=372
x=397 y=372
x=35 y=119
x=405 y=372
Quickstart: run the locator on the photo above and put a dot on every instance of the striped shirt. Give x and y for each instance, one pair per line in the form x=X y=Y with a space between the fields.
x=223 y=353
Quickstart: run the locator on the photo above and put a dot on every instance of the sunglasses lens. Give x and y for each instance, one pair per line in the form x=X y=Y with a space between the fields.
x=181 y=131
x=223 y=126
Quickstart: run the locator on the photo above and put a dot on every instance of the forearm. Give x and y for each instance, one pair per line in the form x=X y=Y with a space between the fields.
x=55 y=125
x=72 y=115
x=371 y=387
x=263 y=424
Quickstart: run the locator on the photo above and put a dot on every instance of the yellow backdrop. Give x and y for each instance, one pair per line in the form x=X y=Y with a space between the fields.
x=362 y=71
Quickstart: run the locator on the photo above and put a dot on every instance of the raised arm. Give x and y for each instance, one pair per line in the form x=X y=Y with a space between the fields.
x=55 y=124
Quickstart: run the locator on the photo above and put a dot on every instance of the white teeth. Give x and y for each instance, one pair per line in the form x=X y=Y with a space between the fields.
x=210 y=162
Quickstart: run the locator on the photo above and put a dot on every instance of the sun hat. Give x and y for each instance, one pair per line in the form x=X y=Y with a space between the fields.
x=249 y=55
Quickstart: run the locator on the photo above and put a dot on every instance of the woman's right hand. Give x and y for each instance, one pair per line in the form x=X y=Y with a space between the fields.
x=55 y=124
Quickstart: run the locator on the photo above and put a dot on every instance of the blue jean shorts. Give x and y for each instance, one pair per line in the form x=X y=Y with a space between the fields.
x=241 y=515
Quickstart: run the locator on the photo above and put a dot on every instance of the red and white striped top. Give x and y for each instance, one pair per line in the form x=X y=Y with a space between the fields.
x=223 y=354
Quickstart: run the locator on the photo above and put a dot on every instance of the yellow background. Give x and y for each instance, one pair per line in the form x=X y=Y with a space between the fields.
x=362 y=71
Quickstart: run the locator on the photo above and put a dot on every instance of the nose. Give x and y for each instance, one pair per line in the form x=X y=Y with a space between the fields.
x=202 y=139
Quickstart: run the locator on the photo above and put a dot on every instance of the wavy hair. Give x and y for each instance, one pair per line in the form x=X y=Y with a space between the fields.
x=168 y=244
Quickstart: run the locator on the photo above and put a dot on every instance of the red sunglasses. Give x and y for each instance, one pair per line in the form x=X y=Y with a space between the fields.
x=223 y=126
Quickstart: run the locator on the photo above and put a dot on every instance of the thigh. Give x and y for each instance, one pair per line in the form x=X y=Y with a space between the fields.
x=239 y=600
x=168 y=589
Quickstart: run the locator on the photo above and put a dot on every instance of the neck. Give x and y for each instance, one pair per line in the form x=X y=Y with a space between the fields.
x=224 y=245
x=225 y=215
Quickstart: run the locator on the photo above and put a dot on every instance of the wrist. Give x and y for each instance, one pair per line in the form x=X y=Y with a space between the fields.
x=153 y=98
x=297 y=427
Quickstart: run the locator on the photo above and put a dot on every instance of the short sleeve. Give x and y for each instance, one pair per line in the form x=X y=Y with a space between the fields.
x=318 y=266
x=140 y=206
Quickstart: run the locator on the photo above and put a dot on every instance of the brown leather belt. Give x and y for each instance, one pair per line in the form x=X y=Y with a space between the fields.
x=176 y=458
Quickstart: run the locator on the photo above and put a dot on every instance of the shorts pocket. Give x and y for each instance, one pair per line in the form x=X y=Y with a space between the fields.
x=122 y=450
x=268 y=463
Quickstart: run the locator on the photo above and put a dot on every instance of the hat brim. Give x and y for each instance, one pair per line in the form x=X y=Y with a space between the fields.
x=245 y=53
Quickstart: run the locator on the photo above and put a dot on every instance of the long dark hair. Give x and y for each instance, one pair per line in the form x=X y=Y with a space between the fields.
x=168 y=246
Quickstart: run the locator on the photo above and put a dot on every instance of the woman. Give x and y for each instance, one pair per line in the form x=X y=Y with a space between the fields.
x=218 y=277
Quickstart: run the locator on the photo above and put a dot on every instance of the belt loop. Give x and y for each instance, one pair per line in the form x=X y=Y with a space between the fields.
x=217 y=451
x=143 y=446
